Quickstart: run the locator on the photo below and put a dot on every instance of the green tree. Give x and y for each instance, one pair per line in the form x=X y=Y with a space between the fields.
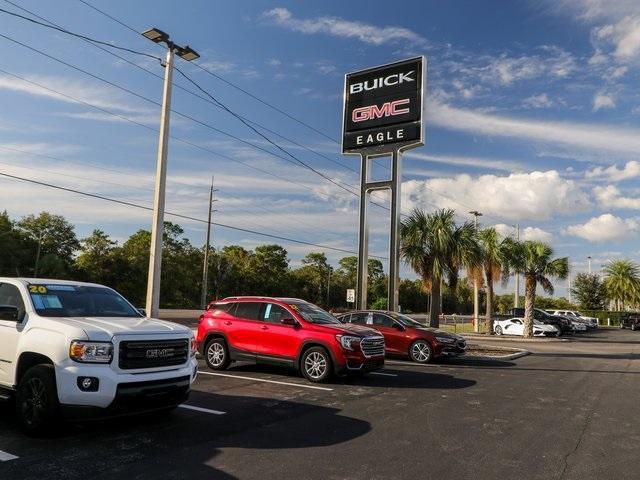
x=436 y=248
x=622 y=282
x=495 y=257
x=17 y=252
x=589 y=291
x=312 y=278
x=270 y=265
x=534 y=260
x=96 y=260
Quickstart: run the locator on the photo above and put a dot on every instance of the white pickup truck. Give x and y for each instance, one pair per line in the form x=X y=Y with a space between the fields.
x=74 y=350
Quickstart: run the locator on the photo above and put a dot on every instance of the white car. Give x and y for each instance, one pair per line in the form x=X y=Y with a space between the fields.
x=590 y=322
x=76 y=349
x=515 y=326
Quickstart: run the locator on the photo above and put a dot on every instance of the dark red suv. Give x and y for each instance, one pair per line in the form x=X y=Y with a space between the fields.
x=286 y=331
x=406 y=337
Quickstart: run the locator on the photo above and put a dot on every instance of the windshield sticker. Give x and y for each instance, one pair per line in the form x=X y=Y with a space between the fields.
x=38 y=289
x=295 y=307
x=51 y=301
x=62 y=288
x=370 y=319
x=267 y=311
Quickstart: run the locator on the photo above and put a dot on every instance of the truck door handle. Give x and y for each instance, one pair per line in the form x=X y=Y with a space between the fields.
x=264 y=327
x=227 y=322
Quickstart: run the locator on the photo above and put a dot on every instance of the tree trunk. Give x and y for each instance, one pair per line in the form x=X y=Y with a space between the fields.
x=489 y=302
x=434 y=311
x=529 y=301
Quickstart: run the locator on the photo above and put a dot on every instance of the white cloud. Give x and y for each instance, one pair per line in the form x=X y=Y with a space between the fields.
x=618 y=72
x=508 y=70
x=519 y=196
x=527 y=233
x=610 y=197
x=603 y=100
x=537 y=101
x=605 y=228
x=477 y=162
x=577 y=135
x=339 y=27
x=630 y=170
x=103 y=97
x=218 y=66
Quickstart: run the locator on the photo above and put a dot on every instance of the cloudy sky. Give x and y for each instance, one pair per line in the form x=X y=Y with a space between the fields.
x=532 y=117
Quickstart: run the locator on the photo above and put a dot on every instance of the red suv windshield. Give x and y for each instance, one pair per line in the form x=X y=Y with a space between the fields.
x=314 y=314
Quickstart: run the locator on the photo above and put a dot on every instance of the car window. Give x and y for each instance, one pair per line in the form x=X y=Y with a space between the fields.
x=358 y=318
x=381 y=320
x=222 y=308
x=248 y=310
x=273 y=313
x=517 y=322
x=345 y=318
x=10 y=296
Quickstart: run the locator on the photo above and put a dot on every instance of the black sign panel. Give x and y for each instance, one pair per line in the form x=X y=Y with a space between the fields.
x=383 y=107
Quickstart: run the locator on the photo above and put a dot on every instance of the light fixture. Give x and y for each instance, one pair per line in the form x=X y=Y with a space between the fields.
x=155 y=35
x=187 y=53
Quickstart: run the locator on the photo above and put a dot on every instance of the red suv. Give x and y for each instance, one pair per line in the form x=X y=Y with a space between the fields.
x=405 y=337
x=286 y=331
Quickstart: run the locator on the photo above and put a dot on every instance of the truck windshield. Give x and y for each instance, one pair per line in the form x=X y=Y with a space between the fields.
x=314 y=314
x=51 y=300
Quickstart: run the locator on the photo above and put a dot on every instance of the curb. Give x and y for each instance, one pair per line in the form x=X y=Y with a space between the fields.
x=491 y=338
x=517 y=353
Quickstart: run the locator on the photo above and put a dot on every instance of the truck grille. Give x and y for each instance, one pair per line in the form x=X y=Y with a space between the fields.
x=153 y=353
x=372 y=346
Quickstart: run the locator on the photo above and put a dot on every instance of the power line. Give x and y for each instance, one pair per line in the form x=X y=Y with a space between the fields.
x=62 y=30
x=186 y=217
x=224 y=80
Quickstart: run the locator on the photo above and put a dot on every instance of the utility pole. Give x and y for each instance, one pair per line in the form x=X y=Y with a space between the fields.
x=589 y=261
x=476 y=306
x=516 y=297
x=205 y=267
x=157 y=226
x=328 y=286
x=35 y=268
x=569 y=280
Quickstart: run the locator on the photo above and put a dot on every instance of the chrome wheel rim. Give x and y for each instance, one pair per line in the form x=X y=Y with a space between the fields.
x=34 y=405
x=420 y=351
x=315 y=364
x=215 y=354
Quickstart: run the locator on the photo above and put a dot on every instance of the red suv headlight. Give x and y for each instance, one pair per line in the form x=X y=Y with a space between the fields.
x=348 y=342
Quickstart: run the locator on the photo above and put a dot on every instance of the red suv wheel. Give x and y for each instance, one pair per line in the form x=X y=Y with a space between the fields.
x=216 y=354
x=316 y=365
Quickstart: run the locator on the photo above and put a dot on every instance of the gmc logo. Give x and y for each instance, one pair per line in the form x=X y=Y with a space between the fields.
x=388 y=109
x=160 y=353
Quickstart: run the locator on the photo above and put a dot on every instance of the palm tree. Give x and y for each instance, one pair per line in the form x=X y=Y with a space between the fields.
x=436 y=248
x=621 y=282
x=495 y=256
x=534 y=260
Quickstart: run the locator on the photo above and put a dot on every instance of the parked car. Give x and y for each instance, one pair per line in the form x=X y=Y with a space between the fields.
x=591 y=322
x=406 y=337
x=630 y=320
x=286 y=331
x=80 y=349
x=515 y=326
x=561 y=323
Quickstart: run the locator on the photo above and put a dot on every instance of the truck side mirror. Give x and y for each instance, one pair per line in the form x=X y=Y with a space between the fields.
x=10 y=313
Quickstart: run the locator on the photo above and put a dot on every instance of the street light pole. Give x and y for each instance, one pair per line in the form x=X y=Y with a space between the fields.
x=157 y=226
x=476 y=305
x=205 y=267
x=516 y=297
x=589 y=260
x=35 y=268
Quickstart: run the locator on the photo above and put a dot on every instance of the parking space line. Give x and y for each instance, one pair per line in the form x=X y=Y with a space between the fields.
x=200 y=409
x=383 y=374
x=313 y=387
x=5 y=457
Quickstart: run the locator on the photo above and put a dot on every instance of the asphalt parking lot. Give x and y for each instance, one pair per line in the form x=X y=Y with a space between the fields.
x=568 y=411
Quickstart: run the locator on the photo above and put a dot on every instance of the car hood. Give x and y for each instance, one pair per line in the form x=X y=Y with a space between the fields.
x=353 y=329
x=105 y=328
x=437 y=331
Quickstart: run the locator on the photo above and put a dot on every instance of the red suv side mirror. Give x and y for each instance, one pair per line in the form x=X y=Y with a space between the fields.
x=290 y=322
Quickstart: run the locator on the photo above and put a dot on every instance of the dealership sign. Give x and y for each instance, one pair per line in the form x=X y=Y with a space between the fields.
x=383 y=108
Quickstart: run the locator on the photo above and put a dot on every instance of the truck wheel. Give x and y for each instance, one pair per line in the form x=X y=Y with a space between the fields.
x=498 y=330
x=216 y=354
x=37 y=399
x=315 y=365
x=421 y=351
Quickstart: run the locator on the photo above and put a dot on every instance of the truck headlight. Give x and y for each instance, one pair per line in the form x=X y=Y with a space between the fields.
x=347 y=341
x=194 y=347
x=448 y=340
x=91 y=352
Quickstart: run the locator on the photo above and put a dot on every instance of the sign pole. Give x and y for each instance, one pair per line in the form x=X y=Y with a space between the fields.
x=363 y=236
x=394 y=234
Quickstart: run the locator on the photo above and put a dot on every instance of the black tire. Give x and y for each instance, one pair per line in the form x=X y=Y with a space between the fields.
x=498 y=330
x=216 y=354
x=420 y=351
x=37 y=402
x=316 y=365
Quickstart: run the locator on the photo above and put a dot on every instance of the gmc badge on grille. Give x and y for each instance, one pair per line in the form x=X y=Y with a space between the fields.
x=160 y=353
